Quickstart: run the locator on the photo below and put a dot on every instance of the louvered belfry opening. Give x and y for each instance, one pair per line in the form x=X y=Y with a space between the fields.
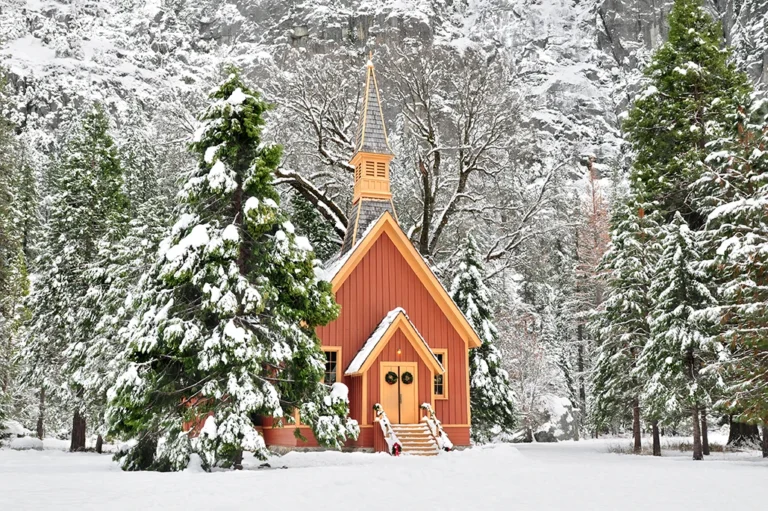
x=372 y=195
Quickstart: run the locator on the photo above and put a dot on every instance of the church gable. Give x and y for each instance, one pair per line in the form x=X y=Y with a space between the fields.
x=386 y=226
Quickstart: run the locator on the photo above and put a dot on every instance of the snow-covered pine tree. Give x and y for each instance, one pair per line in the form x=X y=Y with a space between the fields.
x=692 y=88
x=138 y=156
x=88 y=201
x=224 y=327
x=18 y=219
x=734 y=193
x=12 y=268
x=125 y=255
x=621 y=327
x=310 y=224
x=490 y=394
x=672 y=360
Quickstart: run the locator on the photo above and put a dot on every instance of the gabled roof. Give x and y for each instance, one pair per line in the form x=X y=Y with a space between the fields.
x=340 y=268
x=371 y=136
x=395 y=320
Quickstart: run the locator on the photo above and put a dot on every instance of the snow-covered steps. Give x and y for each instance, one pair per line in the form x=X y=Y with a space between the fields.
x=416 y=439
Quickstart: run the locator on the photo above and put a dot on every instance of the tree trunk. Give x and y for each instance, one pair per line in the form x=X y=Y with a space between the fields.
x=41 y=416
x=78 y=433
x=428 y=209
x=582 y=385
x=638 y=448
x=741 y=434
x=99 y=444
x=697 y=455
x=656 y=438
x=704 y=434
x=238 y=461
x=765 y=441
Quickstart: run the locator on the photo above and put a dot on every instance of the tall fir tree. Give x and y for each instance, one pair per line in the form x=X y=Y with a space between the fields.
x=621 y=327
x=12 y=267
x=125 y=255
x=490 y=394
x=734 y=193
x=693 y=86
x=138 y=152
x=88 y=201
x=672 y=360
x=224 y=328
x=18 y=222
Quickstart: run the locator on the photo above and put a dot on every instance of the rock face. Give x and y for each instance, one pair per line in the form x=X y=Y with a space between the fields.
x=577 y=62
x=629 y=24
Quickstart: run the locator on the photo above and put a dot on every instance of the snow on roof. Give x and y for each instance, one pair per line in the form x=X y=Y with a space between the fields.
x=376 y=337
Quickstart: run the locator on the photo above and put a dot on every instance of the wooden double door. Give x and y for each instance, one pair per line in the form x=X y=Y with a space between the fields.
x=400 y=399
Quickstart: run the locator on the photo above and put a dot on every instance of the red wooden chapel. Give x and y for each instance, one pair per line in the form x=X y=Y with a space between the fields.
x=400 y=341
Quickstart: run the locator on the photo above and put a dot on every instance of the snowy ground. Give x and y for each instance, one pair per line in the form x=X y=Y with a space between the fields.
x=572 y=476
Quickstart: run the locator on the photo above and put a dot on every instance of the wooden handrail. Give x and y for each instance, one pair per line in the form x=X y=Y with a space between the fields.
x=393 y=443
x=436 y=428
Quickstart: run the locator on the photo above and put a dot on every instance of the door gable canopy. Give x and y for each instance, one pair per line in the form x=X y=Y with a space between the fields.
x=395 y=320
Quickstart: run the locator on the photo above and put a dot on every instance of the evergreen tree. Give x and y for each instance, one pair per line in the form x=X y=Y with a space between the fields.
x=224 y=325
x=671 y=362
x=125 y=254
x=734 y=193
x=12 y=277
x=18 y=215
x=113 y=284
x=138 y=156
x=622 y=327
x=310 y=224
x=692 y=88
x=490 y=394
x=88 y=201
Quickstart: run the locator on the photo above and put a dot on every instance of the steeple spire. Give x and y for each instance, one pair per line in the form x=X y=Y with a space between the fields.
x=372 y=195
x=371 y=136
x=372 y=151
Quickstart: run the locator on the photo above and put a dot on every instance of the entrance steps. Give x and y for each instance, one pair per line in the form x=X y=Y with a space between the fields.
x=416 y=439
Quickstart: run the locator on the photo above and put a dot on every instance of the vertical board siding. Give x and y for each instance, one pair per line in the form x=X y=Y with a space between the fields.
x=382 y=282
x=355 y=385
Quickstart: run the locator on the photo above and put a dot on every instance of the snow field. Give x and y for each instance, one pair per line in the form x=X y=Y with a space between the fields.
x=571 y=475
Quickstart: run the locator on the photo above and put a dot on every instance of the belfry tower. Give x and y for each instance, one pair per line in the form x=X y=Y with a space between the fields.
x=372 y=195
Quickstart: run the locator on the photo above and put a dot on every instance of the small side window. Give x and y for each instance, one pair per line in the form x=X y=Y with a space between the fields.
x=441 y=380
x=332 y=365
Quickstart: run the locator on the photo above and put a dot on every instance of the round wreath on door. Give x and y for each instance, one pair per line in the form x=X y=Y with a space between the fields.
x=391 y=377
x=407 y=378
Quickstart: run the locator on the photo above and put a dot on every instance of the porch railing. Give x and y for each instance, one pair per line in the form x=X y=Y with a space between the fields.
x=394 y=446
x=436 y=428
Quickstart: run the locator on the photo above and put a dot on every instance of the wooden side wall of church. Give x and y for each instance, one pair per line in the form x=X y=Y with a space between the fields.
x=382 y=282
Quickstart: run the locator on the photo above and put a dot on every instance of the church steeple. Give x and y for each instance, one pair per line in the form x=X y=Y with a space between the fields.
x=372 y=151
x=372 y=195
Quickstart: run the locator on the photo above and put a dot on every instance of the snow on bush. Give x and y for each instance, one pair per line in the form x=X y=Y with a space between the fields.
x=26 y=443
